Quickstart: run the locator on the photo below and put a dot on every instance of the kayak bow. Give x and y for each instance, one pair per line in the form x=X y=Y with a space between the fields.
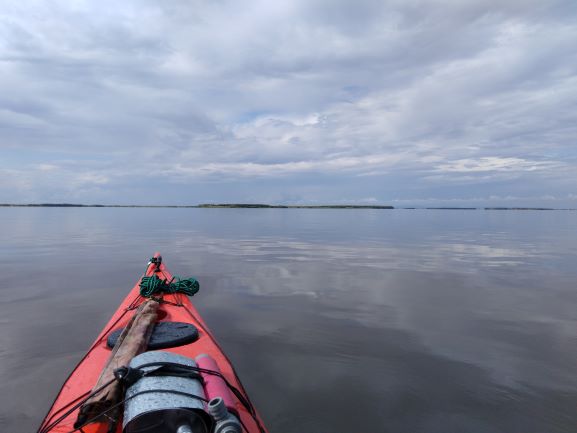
x=182 y=383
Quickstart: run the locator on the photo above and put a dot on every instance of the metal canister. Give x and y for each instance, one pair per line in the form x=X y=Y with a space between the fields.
x=164 y=403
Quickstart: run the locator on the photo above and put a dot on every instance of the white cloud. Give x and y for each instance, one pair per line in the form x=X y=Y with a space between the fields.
x=426 y=94
x=491 y=163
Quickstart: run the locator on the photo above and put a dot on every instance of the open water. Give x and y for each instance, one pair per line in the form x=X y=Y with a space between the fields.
x=360 y=321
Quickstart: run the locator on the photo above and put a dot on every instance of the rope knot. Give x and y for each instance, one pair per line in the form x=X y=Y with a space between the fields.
x=150 y=286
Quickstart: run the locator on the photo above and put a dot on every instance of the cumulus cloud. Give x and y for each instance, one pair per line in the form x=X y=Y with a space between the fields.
x=492 y=164
x=300 y=100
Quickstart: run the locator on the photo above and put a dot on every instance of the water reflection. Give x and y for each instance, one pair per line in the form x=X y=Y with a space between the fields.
x=337 y=321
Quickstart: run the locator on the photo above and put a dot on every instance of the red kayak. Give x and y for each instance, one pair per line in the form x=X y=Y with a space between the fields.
x=180 y=381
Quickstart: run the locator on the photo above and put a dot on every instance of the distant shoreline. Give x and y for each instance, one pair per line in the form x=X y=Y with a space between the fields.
x=272 y=206
x=204 y=206
x=292 y=206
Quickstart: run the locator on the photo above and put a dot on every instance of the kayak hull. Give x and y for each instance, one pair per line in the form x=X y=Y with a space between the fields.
x=173 y=308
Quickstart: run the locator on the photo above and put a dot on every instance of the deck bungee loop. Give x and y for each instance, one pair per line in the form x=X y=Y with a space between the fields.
x=188 y=387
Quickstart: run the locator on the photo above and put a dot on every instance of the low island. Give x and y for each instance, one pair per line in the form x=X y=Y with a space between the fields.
x=280 y=206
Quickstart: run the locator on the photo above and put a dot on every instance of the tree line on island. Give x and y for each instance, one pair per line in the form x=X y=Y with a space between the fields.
x=268 y=206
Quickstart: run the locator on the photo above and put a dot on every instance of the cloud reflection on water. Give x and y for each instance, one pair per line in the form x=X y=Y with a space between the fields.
x=348 y=321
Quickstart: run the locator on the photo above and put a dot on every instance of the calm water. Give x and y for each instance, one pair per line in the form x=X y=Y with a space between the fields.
x=337 y=320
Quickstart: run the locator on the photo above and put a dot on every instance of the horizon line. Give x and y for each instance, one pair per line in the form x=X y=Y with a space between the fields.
x=283 y=206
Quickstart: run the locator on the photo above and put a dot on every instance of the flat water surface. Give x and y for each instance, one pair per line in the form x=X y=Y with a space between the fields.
x=337 y=320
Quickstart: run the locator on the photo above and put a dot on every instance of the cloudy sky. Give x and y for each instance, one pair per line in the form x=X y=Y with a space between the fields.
x=403 y=102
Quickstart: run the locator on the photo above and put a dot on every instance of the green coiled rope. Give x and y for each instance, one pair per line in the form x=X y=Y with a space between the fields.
x=153 y=285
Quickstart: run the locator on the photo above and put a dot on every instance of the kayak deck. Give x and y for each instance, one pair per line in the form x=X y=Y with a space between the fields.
x=175 y=307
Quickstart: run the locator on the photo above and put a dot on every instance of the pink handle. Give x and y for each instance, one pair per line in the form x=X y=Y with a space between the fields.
x=214 y=386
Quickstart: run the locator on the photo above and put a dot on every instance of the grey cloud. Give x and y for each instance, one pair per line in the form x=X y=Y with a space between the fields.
x=401 y=98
